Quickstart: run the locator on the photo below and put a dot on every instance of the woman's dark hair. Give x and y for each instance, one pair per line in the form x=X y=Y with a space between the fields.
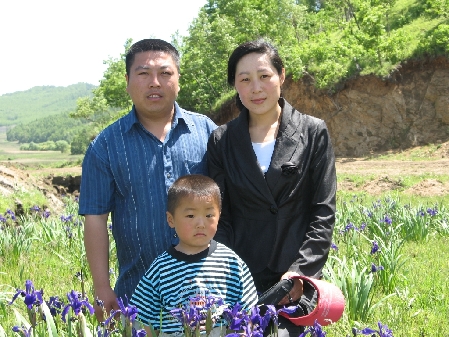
x=259 y=46
x=150 y=45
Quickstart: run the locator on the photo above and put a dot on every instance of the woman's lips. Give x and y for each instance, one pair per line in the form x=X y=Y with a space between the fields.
x=258 y=101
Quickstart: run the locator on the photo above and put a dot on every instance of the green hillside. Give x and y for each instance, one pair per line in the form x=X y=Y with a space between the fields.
x=39 y=102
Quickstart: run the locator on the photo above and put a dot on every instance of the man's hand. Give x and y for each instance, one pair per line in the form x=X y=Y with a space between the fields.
x=96 y=242
x=108 y=300
x=296 y=292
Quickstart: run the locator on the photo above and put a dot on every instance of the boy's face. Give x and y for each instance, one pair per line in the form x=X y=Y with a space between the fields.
x=195 y=221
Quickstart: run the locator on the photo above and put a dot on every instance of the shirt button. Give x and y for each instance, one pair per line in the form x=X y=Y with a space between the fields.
x=168 y=175
x=273 y=209
x=175 y=235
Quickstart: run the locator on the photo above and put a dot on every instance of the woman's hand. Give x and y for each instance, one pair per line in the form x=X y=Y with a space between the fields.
x=296 y=291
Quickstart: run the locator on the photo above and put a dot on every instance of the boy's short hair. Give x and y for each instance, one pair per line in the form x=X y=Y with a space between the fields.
x=193 y=185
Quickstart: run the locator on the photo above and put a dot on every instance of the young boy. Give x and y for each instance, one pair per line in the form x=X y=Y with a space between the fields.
x=198 y=266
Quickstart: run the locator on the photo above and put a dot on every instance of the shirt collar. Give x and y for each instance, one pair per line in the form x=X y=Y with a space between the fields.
x=180 y=117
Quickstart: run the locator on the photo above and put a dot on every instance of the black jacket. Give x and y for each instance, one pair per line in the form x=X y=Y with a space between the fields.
x=283 y=221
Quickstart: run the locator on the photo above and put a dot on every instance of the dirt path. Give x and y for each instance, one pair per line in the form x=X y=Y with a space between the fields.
x=391 y=168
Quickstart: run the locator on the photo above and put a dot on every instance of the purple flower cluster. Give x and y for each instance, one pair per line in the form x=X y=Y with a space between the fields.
x=314 y=331
x=432 y=211
x=387 y=220
x=375 y=248
x=191 y=316
x=31 y=297
x=350 y=226
x=66 y=218
x=22 y=330
x=375 y=269
x=382 y=332
x=77 y=303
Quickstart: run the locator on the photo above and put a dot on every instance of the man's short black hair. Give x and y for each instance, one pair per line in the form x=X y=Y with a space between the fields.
x=150 y=45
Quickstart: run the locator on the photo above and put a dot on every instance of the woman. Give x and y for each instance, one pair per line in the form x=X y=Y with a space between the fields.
x=276 y=170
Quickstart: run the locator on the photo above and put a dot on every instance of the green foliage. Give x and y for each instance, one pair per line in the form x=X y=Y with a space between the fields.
x=26 y=106
x=82 y=140
x=437 y=8
x=221 y=26
x=331 y=40
x=436 y=42
x=60 y=145
x=49 y=251
x=51 y=129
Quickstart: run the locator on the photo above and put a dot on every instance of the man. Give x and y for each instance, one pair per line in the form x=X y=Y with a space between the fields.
x=129 y=167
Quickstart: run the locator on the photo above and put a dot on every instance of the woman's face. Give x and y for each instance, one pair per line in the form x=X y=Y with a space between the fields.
x=258 y=84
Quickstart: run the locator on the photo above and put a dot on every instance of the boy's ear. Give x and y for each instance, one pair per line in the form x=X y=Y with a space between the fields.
x=170 y=220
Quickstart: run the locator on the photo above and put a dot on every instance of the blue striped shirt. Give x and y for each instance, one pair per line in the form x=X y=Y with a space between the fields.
x=127 y=171
x=174 y=278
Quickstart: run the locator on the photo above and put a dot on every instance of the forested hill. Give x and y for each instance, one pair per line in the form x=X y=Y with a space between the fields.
x=38 y=102
x=331 y=40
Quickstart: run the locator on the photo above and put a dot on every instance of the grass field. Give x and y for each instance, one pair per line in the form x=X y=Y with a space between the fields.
x=410 y=296
x=10 y=153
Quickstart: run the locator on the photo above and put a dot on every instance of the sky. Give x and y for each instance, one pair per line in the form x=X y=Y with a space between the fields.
x=63 y=42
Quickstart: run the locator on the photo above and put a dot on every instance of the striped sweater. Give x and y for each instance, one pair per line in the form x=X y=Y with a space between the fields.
x=173 y=278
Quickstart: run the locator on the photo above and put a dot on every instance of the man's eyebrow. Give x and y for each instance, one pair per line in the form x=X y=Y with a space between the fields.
x=145 y=67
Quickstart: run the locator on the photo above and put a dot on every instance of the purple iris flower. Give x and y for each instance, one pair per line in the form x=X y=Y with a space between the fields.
x=362 y=226
x=382 y=332
x=213 y=300
x=421 y=213
x=138 y=333
x=349 y=226
x=76 y=303
x=66 y=218
x=22 y=330
x=235 y=317
x=375 y=269
x=31 y=296
x=271 y=313
x=2 y=218
x=186 y=316
x=11 y=214
x=432 y=211
x=315 y=331
x=375 y=248
x=387 y=220
x=334 y=246
x=46 y=214
x=129 y=311
x=55 y=305
x=35 y=208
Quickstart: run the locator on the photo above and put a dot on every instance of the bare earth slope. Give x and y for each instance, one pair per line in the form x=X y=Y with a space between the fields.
x=385 y=175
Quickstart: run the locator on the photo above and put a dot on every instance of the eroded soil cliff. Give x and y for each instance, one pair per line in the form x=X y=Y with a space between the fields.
x=368 y=114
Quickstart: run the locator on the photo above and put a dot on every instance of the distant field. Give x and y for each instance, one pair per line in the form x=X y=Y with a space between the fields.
x=10 y=152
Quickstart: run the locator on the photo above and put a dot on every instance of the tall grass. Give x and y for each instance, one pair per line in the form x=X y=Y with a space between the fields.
x=406 y=293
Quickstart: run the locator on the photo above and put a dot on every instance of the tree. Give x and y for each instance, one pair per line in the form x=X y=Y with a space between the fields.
x=221 y=26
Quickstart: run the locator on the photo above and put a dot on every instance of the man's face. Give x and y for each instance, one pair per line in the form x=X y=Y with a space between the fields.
x=153 y=83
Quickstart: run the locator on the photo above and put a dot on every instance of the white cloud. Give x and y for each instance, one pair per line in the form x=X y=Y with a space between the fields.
x=57 y=42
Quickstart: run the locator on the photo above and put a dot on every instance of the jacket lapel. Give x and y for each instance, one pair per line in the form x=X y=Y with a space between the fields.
x=289 y=140
x=246 y=158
